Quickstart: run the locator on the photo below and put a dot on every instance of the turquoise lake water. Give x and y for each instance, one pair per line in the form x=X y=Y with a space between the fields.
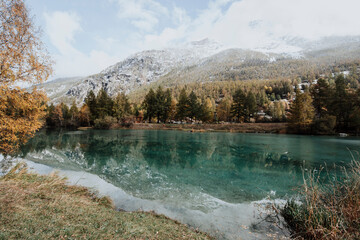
x=180 y=173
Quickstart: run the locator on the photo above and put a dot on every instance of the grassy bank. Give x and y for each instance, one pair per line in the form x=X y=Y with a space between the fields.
x=328 y=211
x=44 y=207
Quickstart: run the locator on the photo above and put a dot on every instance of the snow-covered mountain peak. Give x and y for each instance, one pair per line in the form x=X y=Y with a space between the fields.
x=160 y=60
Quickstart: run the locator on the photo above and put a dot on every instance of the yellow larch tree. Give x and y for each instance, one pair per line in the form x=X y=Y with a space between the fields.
x=22 y=59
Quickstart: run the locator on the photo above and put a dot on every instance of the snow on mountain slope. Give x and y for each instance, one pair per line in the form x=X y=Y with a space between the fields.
x=202 y=61
x=140 y=69
x=57 y=89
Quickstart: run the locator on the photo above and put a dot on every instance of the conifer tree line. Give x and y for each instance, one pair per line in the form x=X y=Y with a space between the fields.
x=188 y=106
x=332 y=104
x=326 y=107
x=98 y=110
x=164 y=108
x=158 y=106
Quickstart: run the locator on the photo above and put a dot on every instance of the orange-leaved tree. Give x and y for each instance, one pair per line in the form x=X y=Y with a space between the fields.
x=22 y=59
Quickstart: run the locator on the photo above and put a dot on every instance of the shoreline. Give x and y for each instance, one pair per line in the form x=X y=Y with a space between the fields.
x=75 y=211
x=248 y=212
x=276 y=128
x=261 y=128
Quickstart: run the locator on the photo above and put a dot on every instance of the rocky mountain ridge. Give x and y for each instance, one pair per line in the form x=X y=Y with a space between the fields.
x=200 y=61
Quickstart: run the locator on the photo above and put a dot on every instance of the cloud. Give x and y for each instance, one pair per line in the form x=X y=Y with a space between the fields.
x=180 y=16
x=169 y=36
x=61 y=28
x=260 y=23
x=143 y=14
x=250 y=24
x=186 y=29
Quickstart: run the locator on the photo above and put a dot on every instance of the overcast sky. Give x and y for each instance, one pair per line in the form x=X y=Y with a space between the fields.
x=86 y=36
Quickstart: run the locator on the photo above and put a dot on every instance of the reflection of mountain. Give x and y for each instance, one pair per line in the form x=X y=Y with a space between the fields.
x=170 y=165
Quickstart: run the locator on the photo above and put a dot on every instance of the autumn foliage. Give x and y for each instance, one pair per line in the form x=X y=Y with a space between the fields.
x=22 y=59
x=20 y=116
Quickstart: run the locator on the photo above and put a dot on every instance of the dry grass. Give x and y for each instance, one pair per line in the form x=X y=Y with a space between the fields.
x=44 y=207
x=328 y=211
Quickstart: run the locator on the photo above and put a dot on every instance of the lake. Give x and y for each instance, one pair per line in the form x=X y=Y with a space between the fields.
x=211 y=181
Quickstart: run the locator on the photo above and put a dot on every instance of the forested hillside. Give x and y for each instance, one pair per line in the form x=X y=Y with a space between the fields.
x=206 y=61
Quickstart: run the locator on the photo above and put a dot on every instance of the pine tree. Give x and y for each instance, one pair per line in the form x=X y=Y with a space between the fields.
x=66 y=114
x=321 y=94
x=341 y=104
x=149 y=105
x=223 y=110
x=261 y=98
x=194 y=107
x=160 y=104
x=121 y=106
x=90 y=101
x=207 y=113
x=172 y=109
x=136 y=110
x=167 y=106
x=250 y=106
x=355 y=113
x=74 y=115
x=104 y=104
x=182 y=105
x=277 y=111
x=302 y=112
x=238 y=106
x=84 y=115
x=49 y=116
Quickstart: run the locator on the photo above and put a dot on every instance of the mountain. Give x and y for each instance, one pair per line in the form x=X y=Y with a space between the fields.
x=206 y=61
x=139 y=69
x=57 y=89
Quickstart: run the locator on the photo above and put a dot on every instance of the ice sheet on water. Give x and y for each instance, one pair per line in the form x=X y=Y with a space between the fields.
x=222 y=220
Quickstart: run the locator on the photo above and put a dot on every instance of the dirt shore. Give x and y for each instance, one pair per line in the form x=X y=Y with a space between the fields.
x=231 y=127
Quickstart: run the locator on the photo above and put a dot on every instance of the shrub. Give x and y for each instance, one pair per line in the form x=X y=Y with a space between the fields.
x=327 y=211
x=325 y=125
x=104 y=123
